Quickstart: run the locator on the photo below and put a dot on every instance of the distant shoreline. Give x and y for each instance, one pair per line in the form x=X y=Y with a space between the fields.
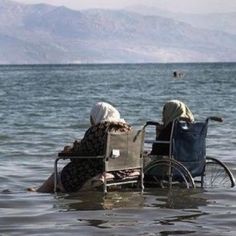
x=130 y=63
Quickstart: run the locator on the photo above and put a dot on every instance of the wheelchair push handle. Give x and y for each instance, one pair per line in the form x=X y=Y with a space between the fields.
x=215 y=118
x=152 y=123
x=157 y=124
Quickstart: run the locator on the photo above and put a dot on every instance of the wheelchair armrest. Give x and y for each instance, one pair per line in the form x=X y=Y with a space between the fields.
x=157 y=141
x=74 y=156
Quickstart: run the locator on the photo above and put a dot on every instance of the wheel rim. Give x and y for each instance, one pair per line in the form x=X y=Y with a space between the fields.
x=217 y=175
x=162 y=179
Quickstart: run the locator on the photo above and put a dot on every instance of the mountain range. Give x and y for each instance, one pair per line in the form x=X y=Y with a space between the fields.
x=41 y=33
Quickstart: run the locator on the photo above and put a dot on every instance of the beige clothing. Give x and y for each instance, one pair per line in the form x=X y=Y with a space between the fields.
x=175 y=109
x=103 y=111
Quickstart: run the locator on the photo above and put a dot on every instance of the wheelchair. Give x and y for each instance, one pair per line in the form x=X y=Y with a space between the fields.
x=186 y=163
x=124 y=151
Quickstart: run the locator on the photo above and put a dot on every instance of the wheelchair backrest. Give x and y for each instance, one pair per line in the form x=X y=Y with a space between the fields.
x=124 y=150
x=188 y=145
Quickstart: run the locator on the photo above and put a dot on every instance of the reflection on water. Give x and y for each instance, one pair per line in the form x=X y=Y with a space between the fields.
x=176 y=198
x=158 y=198
x=131 y=209
x=98 y=201
x=155 y=212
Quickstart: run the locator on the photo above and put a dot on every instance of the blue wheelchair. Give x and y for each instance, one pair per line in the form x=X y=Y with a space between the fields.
x=186 y=164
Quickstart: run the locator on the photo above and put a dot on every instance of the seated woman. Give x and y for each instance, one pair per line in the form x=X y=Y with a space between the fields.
x=174 y=109
x=103 y=118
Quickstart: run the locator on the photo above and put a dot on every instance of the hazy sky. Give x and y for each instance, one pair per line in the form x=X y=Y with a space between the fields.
x=191 y=6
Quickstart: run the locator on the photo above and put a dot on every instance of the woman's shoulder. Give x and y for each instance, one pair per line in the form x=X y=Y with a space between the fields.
x=109 y=126
x=112 y=126
x=119 y=126
x=165 y=132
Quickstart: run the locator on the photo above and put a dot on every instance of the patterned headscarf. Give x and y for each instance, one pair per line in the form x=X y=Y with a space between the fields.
x=103 y=111
x=175 y=109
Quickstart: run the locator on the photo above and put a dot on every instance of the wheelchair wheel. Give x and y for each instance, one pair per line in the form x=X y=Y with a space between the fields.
x=217 y=174
x=166 y=173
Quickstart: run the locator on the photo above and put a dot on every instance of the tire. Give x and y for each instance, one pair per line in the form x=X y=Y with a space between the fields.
x=156 y=174
x=217 y=174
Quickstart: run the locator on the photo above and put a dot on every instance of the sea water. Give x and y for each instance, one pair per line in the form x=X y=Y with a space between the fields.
x=44 y=107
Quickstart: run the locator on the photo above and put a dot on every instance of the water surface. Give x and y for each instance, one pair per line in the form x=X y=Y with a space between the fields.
x=42 y=108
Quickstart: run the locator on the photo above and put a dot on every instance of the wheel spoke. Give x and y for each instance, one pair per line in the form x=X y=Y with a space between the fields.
x=217 y=174
x=162 y=177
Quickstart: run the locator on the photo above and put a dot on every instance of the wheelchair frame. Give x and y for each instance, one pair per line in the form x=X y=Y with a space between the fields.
x=166 y=171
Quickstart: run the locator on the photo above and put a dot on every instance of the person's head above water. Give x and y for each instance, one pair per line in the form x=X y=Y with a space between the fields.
x=103 y=111
x=175 y=109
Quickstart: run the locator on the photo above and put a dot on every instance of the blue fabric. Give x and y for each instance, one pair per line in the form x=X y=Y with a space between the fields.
x=189 y=145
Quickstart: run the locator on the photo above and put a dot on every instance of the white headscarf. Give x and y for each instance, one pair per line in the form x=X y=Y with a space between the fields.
x=175 y=109
x=103 y=111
